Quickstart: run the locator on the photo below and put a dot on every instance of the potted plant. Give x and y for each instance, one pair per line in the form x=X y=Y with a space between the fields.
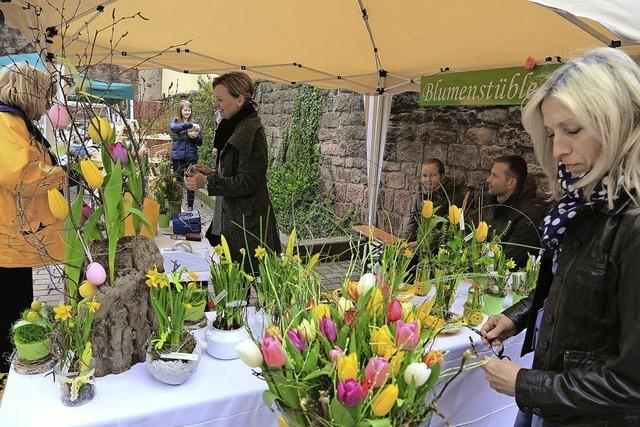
x=525 y=281
x=231 y=288
x=167 y=191
x=173 y=355
x=75 y=370
x=196 y=303
x=426 y=235
x=31 y=339
x=496 y=289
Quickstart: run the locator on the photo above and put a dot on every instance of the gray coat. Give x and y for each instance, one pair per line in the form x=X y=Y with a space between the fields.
x=247 y=219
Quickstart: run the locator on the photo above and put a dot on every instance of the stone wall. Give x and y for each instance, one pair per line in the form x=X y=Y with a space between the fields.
x=465 y=139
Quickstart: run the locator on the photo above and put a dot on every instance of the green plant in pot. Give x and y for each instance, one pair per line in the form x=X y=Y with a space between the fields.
x=196 y=304
x=173 y=355
x=231 y=291
x=167 y=191
x=31 y=334
x=496 y=289
x=523 y=286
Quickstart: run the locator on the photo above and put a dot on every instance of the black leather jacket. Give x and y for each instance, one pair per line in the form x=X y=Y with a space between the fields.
x=586 y=368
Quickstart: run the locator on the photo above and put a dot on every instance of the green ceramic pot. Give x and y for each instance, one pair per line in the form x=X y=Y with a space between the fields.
x=195 y=313
x=34 y=350
x=163 y=220
x=492 y=304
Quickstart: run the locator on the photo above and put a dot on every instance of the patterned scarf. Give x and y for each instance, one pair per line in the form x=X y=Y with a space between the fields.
x=555 y=223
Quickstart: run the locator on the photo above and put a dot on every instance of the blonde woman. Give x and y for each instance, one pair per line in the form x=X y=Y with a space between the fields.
x=30 y=236
x=186 y=138
x=246 y=216
x=583 y=321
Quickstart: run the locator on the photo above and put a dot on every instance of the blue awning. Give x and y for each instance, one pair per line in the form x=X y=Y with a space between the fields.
x=111 y=91
x=32 y=59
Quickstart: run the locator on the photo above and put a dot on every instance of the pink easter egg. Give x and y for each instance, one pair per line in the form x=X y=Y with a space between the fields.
x=95 y=274
x=59 y=116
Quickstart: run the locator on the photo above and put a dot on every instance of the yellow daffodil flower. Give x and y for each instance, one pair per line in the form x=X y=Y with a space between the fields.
x=62 y=311
x=93 y=306
x=511 y=264
x=260 y=252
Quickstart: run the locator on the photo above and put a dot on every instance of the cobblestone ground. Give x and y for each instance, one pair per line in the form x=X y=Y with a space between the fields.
x=47 y=285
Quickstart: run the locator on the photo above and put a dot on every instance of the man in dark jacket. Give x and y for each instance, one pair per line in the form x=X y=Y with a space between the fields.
x=511 y=212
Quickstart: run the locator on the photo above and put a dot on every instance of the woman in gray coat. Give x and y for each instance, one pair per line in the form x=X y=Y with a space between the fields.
x=246 y=216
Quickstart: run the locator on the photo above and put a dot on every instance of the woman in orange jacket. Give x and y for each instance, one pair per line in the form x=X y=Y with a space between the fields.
x=30 y=236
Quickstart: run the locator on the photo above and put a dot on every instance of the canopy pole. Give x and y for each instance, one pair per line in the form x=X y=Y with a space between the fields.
x=377 y=110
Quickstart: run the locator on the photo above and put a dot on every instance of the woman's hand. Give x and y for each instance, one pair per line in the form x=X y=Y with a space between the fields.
x=501 y=375
x=497 y=329
x=204 y=169
x=195 y=181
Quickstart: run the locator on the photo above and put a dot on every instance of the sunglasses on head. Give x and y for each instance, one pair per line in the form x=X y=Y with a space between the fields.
x=500 y=347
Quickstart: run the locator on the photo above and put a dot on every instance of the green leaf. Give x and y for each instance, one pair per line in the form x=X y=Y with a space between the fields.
x=293 y=353
x=311 y=360
x=433 y=378
x=74 y=252
x=384 y=422
x=106 y=159
x=112 y=197
x=269 y=397
x=339 y=414
x=90 y=228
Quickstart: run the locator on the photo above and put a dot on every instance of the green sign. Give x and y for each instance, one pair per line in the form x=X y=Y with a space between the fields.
x=500 y=86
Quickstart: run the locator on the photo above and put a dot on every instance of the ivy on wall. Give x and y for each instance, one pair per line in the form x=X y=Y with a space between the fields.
x=294 y=176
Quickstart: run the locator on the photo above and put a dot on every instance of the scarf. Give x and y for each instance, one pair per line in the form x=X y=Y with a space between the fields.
x=33 y=130
x=227 y=126
x=555 y=223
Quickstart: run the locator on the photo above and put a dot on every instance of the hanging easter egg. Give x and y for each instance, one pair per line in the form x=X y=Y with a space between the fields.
x=99 y=129
x=59 y=116
x=95 y=274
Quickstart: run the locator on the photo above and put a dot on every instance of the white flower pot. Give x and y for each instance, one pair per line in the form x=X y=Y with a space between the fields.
x=222 y=344
x=172 y=371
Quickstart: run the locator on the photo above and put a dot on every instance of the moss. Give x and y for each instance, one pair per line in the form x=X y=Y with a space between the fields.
x=29 y=333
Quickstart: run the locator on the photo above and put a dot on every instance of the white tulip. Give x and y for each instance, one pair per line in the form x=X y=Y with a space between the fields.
x=417 y=372
x=249 y=353
x=344 y=305
x=308 y=329
x=366 y=282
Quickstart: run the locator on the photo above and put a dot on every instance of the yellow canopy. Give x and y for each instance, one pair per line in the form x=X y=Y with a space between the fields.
x=362 y=45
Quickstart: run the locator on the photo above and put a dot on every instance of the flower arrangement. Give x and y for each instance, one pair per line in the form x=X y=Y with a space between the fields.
x=532 y=270
x=286 y=281
x=166 y=188
x=366 y=360
x=71 y=334
x=501 y=266
x=231 y=288
x=169 y=299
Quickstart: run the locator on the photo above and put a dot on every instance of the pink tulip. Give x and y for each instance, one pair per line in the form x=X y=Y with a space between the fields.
x=350 y=393
x=272 y=351
x=119 y=153
x=394 y=310
x=86 y=213
x=297 y=339
x=376 y=371
x=335 y=353
x=328 y=328
x=407 y=335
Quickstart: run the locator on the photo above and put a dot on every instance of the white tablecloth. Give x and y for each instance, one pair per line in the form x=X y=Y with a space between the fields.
x=225 y=393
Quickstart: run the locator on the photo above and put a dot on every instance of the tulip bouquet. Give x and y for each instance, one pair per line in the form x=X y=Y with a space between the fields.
x=231 y=288
x=365 y=360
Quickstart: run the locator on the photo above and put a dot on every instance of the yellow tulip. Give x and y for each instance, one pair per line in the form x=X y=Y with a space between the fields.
x=99 y=129
x=376 y=303
x=384 y=402
x=86 y=289
x=454 y=214
x=382 y=342
x=57 y=204
x=396 y=363
x=91 y=173
x=427 y=209
x=321 y=310
x=348 y=367
x=481 y=232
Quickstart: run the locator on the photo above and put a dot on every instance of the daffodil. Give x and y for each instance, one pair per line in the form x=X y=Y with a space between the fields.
x=194 y=276
x=62 y=311
x=511 y=264
x=260 y=252
x=408 y=253
x=93 y=306
x=218 y=249
x=495 y=248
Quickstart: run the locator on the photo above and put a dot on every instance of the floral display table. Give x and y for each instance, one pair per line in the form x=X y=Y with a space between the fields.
x=226 y=393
